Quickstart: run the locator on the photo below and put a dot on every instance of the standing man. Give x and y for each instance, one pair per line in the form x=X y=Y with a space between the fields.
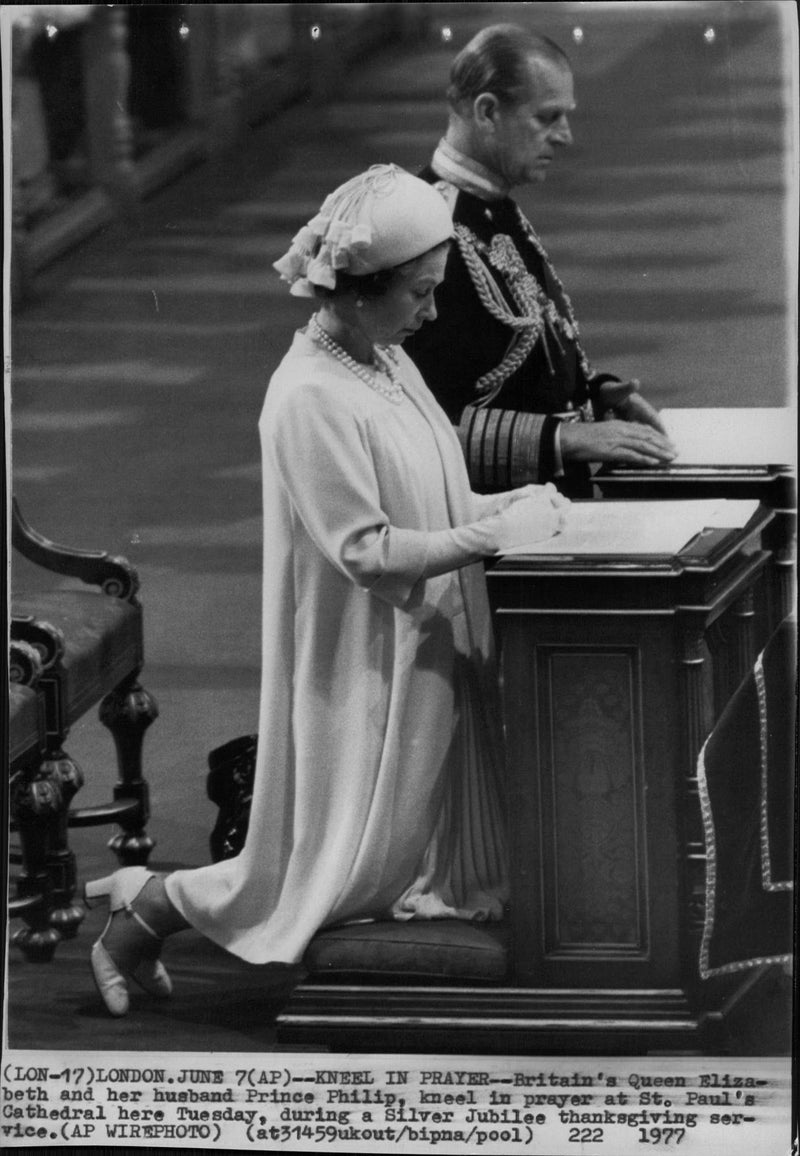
x=504 y=356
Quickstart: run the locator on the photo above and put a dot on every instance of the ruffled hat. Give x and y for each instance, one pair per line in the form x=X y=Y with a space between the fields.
x=377 y=220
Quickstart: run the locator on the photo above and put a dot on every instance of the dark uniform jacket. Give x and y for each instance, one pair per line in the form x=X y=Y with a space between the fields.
x=505 y=385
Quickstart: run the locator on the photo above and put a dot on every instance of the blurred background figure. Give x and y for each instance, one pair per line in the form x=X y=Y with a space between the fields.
x=47 y=93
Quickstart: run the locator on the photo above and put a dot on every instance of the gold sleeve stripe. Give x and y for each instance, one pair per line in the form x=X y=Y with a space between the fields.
x=502 y=447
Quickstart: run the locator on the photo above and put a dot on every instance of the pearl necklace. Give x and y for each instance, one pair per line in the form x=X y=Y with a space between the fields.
x=391 y=390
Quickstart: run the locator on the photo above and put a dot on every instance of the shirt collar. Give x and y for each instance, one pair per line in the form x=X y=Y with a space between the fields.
x=467 y=174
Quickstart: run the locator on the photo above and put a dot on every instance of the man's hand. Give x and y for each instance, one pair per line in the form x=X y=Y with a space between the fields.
x=623 y=400
x=629 y=442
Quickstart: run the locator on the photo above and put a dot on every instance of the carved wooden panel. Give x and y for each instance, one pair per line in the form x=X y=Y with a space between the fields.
x=592 y=802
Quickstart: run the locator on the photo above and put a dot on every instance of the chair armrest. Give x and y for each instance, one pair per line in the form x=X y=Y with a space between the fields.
x=46 y=640
x=114 y=575
x=24 y=663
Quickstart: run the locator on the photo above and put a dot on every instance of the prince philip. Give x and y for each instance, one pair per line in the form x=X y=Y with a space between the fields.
x=504 y=356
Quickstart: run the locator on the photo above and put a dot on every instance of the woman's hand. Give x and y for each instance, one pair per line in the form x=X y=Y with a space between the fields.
x=529 y=519
x=546 y=493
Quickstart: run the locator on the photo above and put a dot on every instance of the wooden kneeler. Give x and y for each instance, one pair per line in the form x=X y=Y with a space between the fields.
x=398 y=986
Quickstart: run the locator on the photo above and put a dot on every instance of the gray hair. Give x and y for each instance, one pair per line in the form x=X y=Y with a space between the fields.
x=497 y=60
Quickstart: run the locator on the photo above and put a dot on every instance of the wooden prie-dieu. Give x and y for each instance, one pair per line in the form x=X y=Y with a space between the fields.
x=733 y=454
x=614 y=670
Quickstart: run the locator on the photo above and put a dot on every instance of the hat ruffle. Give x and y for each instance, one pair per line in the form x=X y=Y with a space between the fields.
x=315 y=256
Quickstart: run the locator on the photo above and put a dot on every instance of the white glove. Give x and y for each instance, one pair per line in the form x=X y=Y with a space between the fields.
x=546 y=492
x=529 y=520
x=527 y=515
x=489 y=504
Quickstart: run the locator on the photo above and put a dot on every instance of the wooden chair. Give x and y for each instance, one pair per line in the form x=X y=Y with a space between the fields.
x=26 y=750
x=89 y=645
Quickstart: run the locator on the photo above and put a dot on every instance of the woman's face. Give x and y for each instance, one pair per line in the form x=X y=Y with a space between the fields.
x=407 y=303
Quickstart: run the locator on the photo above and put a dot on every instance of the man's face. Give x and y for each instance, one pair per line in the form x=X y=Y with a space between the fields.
x=528 y=134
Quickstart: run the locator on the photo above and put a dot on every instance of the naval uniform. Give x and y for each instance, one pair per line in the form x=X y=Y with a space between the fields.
x=503 y=357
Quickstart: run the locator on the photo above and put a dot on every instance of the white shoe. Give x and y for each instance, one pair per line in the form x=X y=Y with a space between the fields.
x=121 y=890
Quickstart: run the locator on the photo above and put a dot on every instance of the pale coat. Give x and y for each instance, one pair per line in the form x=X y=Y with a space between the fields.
x=377 y=780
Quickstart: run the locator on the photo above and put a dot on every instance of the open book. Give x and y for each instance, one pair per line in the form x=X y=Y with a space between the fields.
x=732 y=437
x=653 y=527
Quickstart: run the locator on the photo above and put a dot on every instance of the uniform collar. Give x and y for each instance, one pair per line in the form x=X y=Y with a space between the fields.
x=467 y=174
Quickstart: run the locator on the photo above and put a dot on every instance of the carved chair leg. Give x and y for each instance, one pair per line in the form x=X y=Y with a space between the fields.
x=127 y=712
x=34 y=798
x=66 y=915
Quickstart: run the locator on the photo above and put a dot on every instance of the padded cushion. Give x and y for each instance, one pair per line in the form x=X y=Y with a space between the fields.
x=25 y=722
x=103 y=641
x=429 y=949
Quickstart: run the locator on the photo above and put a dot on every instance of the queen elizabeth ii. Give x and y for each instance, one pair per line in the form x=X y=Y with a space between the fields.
x=377 y=790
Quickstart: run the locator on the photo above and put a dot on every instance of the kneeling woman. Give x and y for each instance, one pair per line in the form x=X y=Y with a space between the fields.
x=377 y=791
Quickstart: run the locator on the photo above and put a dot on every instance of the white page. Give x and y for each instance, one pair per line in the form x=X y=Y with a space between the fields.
x=639 y=527
x=732 y=437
